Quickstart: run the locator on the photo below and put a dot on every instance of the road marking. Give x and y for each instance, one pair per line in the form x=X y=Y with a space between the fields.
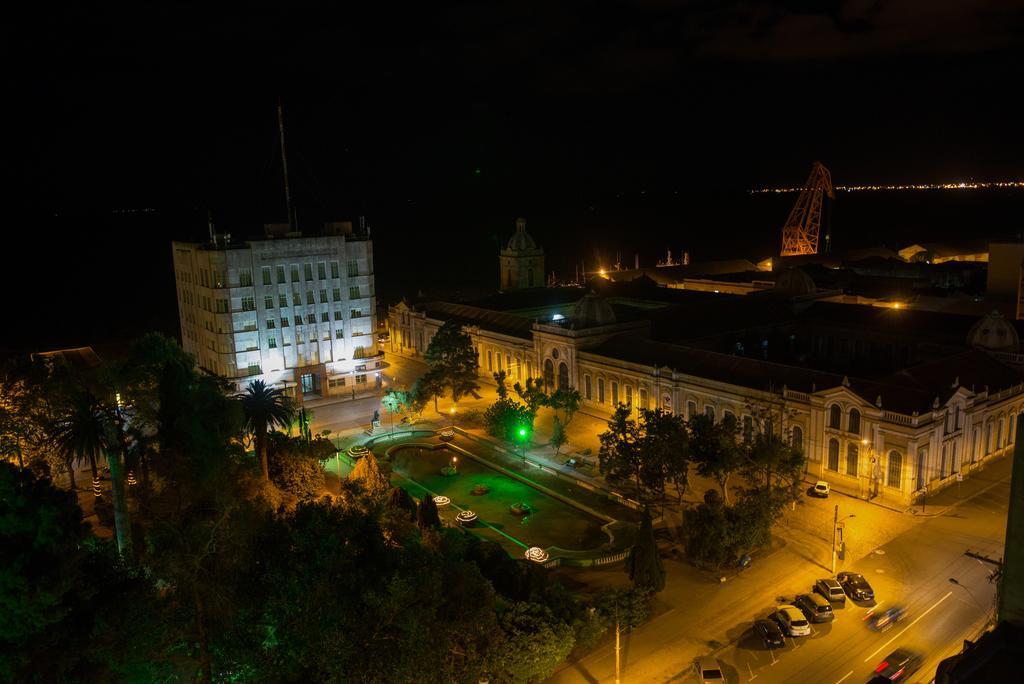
x=933 y=607
x=845 y=677
x=751 y=670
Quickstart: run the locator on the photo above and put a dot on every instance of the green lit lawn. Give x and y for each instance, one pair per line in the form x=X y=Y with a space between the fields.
x=553 y=522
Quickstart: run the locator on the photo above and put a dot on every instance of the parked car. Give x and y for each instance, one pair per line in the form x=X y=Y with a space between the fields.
x=816 y=607
x=830 y=589
x=899 y=665
x=855 y=586
x=792 y=621
x=887 y=618
x=709 y=670
x=821 y=489
x=770 y=634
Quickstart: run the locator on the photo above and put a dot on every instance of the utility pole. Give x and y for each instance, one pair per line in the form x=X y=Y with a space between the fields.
x=835 y=527
x=618 y=649
x=284 y=165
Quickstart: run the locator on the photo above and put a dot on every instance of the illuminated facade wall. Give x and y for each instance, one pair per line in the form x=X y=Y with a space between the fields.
x=296 y=311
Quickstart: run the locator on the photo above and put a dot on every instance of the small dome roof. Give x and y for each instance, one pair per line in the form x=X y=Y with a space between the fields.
x=994 y=332
x=794 y=283
x=521 y=240
x=592 y=312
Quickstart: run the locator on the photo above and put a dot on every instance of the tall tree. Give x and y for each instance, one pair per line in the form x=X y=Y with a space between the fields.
x=644 y=564
x=80 y=436
x=427 y=516
x=715 y=449
x=375 y=482
x=451 y=355
x=264 y=408
x=664 y=447
x=619 y=456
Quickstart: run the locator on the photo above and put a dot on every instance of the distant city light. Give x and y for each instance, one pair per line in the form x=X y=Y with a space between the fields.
x=972 y=185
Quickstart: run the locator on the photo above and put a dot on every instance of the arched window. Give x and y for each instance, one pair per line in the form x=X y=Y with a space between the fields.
x=833 y=454
x=727 y=414
x=854 y=422
x=490 y=360
x=643 y=398
x=999 y=434
x=691 y=409
x=798 y=438
x=549 y=375
x=586 y=388
x=600 y=390
x=709 y=411
x=975 y=444
x=835 y=415
x=563 y=376
x=942 y=463
x=748 y=428
x=922 y=459
x=852 y=454
x=1011 y=431
x=769 y=427
x=895 y=475
x=988 y=437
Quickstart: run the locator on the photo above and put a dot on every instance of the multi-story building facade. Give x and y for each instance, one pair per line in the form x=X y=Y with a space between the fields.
x=917 y=426
x=295 y=311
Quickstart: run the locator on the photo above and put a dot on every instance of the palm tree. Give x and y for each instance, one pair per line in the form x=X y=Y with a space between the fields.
x=89 y=427
x=265 y=408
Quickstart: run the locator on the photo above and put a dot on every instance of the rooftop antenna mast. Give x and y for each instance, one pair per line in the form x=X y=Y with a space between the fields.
x=209 y=225
x=284 y=164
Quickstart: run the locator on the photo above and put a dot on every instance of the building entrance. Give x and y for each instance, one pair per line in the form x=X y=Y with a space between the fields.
x=310 y=383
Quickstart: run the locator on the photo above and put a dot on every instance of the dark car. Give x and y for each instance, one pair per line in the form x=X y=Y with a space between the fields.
x=855 y=586
x=886 y=618
x=830 y=589
x=815 y=606
x=770 y=633
x=899 y=665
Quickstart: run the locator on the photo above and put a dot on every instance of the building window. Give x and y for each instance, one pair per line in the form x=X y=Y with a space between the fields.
x=336 y=294
x=922 y=460
x=323 y=296
x=282 y=300
x=748 y=428
x=356 y=313
x=337 y=315
x=321 y=271
x=298 y=319
x=353 y=292
x=295 y=273
x=248 y=304
x=798 y=438
x=643 y=398
x=268 y=301
x=222 y=305
x=284 y=322
x=854 y=421
x=245 y=277
x=280 y=274
x=360 y=379
x=615 y=393
x=999 y=434
x=852 y=454
x=352 y=268
x=311 y=319
x=325 y=317
x=629 y=395
x=728 y=415
x=563 y=376
x=309 y=298
x=270 y=323
x=334 y=383
x=975 y=445
x=709 y=411
x=549 y=375
x=307 y=270
x=490 y=360
x=359 y=352
x=833 y=455
x=266 y=276
x=835 y=415
x=895 y=475
x=334 y=269
x=600 y=390
x=296 y=299
x=339 y=333
x=988 y=437
x=272 y=342
x=586 y=387
x=691 y=409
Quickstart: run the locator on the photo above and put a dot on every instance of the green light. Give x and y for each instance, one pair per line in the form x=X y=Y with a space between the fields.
x=522 y=432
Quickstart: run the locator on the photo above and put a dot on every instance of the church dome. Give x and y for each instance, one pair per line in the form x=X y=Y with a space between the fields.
x=995 y=333
x=521 y=240
x=794 y=283
x=592 y=312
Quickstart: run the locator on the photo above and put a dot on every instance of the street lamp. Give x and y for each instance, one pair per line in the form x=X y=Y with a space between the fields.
x=835 y=530
x=451 y=412
x=522 y=435
x=954 y=580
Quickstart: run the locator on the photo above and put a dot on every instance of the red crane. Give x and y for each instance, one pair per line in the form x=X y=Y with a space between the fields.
x=803 y=227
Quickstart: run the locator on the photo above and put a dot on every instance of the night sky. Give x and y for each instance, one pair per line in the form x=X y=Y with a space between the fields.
x=610 y=126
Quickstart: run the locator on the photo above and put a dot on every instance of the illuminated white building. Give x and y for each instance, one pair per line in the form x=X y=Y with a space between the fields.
x=295 y=311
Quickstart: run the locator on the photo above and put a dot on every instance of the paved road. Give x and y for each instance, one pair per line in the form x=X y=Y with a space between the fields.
x=912 y=570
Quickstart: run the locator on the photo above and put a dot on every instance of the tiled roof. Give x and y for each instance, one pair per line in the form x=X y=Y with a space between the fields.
x=495 y=321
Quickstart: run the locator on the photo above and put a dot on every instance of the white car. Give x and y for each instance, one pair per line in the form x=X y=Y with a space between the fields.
x=792 y=621
x=821 y=489
x=709 y=670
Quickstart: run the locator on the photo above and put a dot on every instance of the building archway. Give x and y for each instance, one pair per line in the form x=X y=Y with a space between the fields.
x=563 y=376
x=549 y=375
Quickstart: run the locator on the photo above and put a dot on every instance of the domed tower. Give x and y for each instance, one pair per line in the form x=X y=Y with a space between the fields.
x=592 y=312
x=995 y=333
x=522 y=261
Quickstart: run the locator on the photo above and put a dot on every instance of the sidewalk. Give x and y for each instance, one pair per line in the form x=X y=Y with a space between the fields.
x=982 y=479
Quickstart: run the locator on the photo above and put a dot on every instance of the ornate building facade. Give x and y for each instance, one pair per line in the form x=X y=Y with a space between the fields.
x=933 y=410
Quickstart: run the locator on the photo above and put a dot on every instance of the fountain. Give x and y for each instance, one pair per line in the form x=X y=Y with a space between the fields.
x=479 y=489
x=442 y=501
x=466 y=518
x=357 y=451
x=537 y=554
x=520 y=508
